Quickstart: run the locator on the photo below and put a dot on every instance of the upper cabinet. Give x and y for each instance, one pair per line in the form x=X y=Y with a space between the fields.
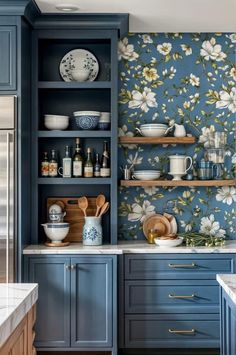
x=7 y=57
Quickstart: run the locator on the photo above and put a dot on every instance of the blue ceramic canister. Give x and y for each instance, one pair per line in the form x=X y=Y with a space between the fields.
x=92 y=231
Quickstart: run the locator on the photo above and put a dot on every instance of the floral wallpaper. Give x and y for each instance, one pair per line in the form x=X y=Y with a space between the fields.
x=178 y=78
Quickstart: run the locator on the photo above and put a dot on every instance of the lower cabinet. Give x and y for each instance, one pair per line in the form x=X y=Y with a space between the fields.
x=228 y=325
x=77 y=300
x=171 y=300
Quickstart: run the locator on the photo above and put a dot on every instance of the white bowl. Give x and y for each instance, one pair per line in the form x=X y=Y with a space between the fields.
x=152 y=131
x=56 y=232
x=146 y=174
x=105 y=117
x=56 y=122
x=154 y=125
x=86 y=113
x=170 y=243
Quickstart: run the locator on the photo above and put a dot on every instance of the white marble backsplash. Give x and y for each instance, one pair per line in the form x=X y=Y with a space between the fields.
x=15 y=302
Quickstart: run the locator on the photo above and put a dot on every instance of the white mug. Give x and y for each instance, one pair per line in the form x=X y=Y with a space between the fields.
x=178 y=163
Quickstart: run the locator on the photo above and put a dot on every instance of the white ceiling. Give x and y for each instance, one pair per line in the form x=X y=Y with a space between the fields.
x=162 y=15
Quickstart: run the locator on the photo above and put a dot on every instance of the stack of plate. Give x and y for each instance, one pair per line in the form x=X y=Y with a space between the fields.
x=153 y=129
x=163 y=224
x=146 y=174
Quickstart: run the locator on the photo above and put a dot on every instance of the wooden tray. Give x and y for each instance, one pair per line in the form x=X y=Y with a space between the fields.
x=74 y=215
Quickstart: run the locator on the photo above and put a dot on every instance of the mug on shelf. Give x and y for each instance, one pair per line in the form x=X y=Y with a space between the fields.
x=178 y=163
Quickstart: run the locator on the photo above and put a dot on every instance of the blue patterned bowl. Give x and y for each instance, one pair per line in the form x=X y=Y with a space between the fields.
x=87 y=119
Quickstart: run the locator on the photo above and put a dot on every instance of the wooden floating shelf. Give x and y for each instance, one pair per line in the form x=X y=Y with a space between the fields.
x=74 y=181
x=174 y=183
x=74 y=85
x=157 y=140
x=74 y=134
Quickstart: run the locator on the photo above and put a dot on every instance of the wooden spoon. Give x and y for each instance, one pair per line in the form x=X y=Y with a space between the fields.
x=104 y=209
x=83 y=205
x=100 y=200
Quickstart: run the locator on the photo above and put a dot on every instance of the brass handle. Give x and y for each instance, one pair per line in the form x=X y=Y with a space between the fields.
x=176 y=296
x=184 y=331
x=73 y=266
x=182 y=266
x=68 y=267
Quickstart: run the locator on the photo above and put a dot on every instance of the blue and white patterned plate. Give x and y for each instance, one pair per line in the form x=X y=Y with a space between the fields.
x=80 y=59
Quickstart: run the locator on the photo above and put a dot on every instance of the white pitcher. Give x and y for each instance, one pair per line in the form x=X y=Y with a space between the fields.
x=178 y=164
x=180 y=130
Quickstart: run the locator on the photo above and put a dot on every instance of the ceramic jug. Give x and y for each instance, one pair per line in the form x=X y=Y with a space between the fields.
x=178 y=164
x=180 y=130
x=92 y=231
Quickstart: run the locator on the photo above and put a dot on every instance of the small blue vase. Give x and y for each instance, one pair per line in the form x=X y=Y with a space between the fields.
x=92 y=231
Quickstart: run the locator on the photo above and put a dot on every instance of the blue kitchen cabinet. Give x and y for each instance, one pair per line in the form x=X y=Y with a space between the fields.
x=228 y=325
x=77 y=301
x=53 y=307
x=7 y=57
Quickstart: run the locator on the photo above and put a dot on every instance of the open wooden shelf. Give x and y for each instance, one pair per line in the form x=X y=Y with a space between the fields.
x=74 y=85
x=74 y=134
x=173 y=183
x=73 y=181
x=156 y=140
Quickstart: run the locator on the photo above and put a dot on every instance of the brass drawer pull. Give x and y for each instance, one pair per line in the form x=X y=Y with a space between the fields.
x=187 y=297
x=176 y=331
x=182 y=266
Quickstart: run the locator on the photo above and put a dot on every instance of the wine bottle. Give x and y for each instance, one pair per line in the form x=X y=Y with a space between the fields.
x=66 y=162
x=105 y=165
x=53 y=165
x=88 y=166
x=77 y=160
x=97 y=167
x=45 y=165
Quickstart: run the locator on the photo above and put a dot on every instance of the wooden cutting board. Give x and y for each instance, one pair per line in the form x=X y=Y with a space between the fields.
x=74 y=215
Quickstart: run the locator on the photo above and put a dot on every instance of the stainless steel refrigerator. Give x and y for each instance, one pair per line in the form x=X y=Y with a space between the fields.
x=7 y=187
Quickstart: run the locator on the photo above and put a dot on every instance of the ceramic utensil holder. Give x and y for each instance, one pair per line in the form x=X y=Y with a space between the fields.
x=92 y=231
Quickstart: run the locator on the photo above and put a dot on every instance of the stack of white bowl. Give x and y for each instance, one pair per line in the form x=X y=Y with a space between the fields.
x=153 y=129
x=56 y=122
x=146 y=174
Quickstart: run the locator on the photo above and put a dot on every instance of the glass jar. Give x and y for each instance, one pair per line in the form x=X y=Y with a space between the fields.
x=217 y=156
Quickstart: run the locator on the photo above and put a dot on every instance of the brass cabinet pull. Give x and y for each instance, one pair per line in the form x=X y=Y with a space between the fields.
x=68 y=267
x=73 y=266
x=176 y=296
x=184 y=331
x=182 y=266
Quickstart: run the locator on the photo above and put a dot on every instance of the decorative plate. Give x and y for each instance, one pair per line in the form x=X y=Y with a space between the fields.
x=81 y=60
x=158 y=222
x=172 y=221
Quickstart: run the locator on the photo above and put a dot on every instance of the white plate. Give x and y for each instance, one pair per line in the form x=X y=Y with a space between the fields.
x=78 y=59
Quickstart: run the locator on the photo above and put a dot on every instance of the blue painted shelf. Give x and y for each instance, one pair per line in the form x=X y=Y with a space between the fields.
x=74 y=134
x=74 y=181
x=74 y=85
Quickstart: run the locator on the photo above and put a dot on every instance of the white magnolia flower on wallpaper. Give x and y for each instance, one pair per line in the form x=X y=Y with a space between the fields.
x=143 y=100
x=123 y=131
x=211 y=50
x=211 y=227
x=151 y=190
x=134 y=160
x=204 y=137
x=126 y=50
x=150 y=74
x=186 y=225
x=164 y=48
x=140 y=213
x=234 y=158
x=147 y=39
x=194 y=80
x=233 y=73
x=233 y=37
x=227 y=100
x=226 y=194
x=187 y=49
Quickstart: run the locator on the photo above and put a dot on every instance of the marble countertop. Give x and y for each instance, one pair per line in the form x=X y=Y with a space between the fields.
x=15 y=302
x=126 y=248
x=228 y=283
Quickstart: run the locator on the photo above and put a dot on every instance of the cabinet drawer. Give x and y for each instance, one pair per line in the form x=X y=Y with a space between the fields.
x=172 y=266
x=188 y=296
x=153 y=331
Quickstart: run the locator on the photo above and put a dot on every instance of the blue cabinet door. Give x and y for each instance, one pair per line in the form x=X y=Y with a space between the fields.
x=7 y=57
x=91 y=301
x=53 y=307
x=228 y=325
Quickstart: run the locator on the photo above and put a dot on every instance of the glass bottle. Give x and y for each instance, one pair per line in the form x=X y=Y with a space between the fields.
x=105 y=165
x=45 y=165
x=53 y=165
x=97 y=167
x=77 y=160
x=66 y=162
x=88 y=166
